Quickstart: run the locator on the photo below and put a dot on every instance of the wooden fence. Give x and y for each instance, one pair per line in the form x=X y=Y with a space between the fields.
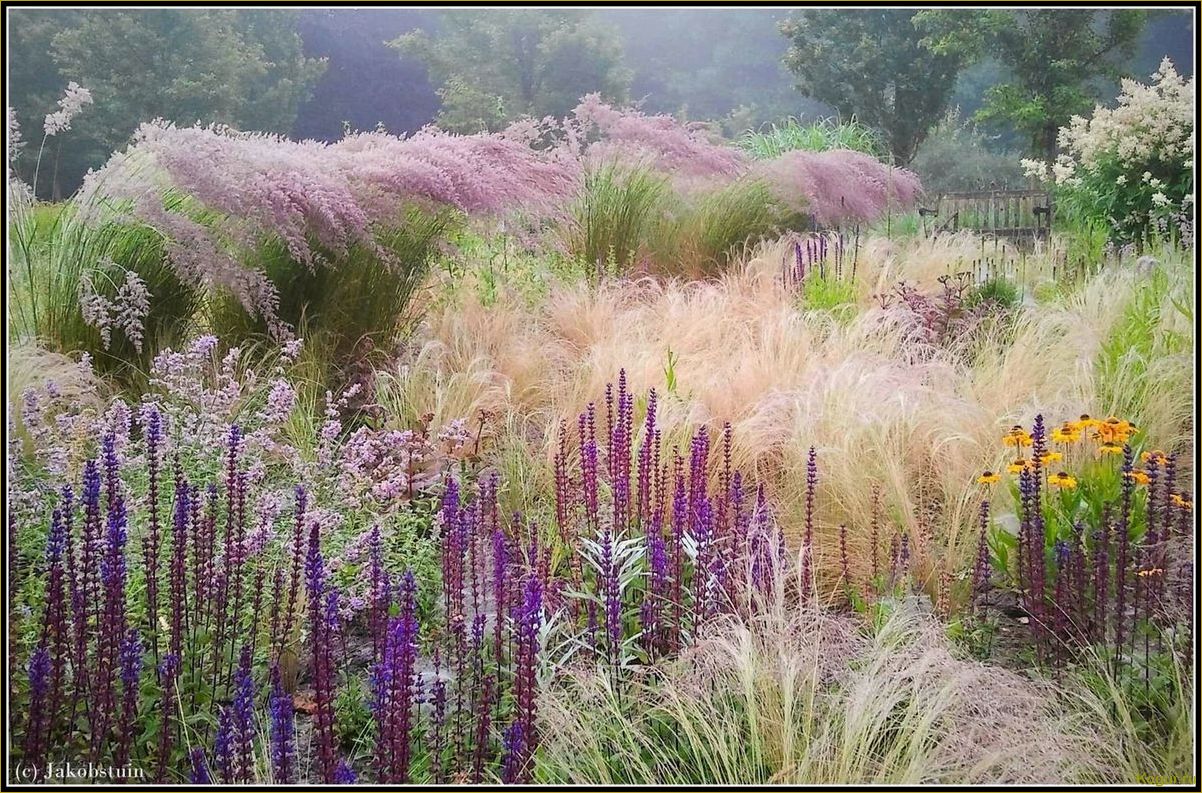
x=1018 y=215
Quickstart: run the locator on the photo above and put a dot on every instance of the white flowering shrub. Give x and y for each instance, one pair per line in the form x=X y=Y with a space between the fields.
x=1131 y=166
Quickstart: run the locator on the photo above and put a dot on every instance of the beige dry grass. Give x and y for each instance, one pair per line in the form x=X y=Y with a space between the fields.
x=802 y=696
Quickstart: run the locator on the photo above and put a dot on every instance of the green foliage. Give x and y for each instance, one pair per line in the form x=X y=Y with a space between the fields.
x=242 y=67
x=1150 y=708
x=354 y=303
x=998 y=292
x=1084 y=239
x=828 y=293
x=870 y=64
x=614 y=215
x=54 y=252
x=704 y=233
x=1113 y=195
x=670 y=371
x=956 y=155
x=498 y=66
x=1138 y=355
x=822 y=135
x=1053 y=58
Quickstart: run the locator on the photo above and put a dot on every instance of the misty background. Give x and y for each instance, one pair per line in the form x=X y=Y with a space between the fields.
x=318 y=73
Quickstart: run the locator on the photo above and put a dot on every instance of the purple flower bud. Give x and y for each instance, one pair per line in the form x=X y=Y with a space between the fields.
x=200 y=767
x=344 y=774
x=282 y=730
x=514 y=754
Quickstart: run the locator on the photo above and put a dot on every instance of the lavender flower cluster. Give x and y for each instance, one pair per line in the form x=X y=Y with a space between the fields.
x=819 y=253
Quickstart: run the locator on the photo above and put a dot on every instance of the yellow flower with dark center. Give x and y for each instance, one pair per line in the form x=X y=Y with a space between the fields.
x=988 y=478
x=1155 y=455
x=1110 y=448
x=1016 y=437
x=1085 y=422
x=1150 y=572
x=1068 y=433
x=1063 y=481
x=1018 y=466
x=1051 y=457
x=1139 y=477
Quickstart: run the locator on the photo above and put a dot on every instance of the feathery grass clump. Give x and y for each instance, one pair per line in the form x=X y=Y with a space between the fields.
x=799 y=696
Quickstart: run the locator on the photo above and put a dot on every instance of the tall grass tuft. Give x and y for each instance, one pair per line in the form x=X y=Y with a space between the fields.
x=613 y=215
x=1149 y=729
x=704 y=234
x=822 y=135
x=1146 y=350
x=55 y=255
x=348 y=305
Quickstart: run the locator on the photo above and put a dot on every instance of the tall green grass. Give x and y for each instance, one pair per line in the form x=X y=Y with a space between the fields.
x=350 y=305
x=613 y=216
x=1150 y=720
x=823 y=135
x=1146 y=355
x=52 y=250
x=701 y=235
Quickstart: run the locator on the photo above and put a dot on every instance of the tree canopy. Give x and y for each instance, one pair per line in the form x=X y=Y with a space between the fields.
x=497 y=66
x=1057 y=60
x=239 y=67
x=871 y=64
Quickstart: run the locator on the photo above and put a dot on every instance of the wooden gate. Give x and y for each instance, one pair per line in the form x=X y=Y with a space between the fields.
x=1017 y=215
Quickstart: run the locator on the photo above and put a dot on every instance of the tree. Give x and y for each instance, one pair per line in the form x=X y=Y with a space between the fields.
x=495 y=66
x=870 y=64
x=244 y=68
x=1058 y=61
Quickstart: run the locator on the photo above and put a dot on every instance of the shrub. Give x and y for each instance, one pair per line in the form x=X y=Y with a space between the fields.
x=957 y=157
x=1131 y=167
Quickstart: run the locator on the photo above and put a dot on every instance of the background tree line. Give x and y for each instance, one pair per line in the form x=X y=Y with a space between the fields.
x=1015 y=75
